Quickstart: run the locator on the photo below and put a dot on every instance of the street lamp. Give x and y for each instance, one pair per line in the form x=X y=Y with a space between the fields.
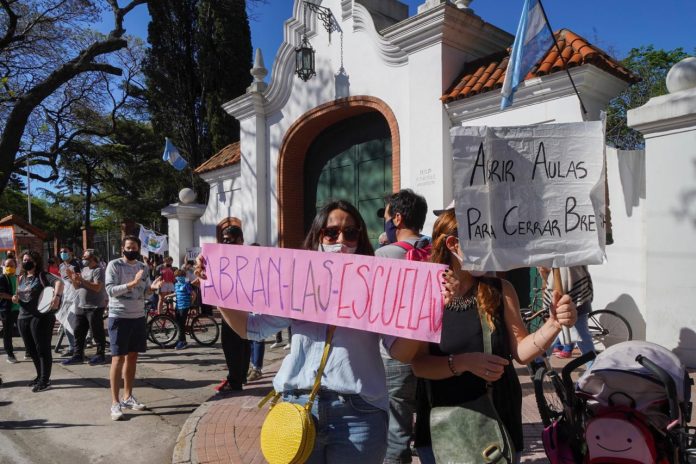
x=304 y=60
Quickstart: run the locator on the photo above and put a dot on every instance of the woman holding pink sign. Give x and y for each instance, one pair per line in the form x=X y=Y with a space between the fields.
x=463 y=367
x=351 y=408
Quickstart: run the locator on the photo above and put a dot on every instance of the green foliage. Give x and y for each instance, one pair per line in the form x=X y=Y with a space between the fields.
x=651 y=66
x=199 y=58
x=52 y=216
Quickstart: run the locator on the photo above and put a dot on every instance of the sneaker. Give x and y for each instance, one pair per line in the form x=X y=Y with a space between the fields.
x=27 y=357
x=226 y=386
x=556 y=350
x=98 y=359
x=116 y=412
x=11 y=359
x=41 y=386
x=73 y=360
x=180 y=345
x=132 y=403
x=68 y=354
x=276 y=345
x=564 y=354
x=33 y=382
x=287 y=347
x=255 y=374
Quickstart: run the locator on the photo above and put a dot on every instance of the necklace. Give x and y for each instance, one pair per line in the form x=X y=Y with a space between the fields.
x=464 y=302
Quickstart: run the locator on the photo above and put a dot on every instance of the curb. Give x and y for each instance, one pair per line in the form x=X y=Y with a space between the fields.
x=184 y=452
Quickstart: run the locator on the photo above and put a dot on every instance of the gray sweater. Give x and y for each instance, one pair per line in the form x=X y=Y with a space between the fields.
x=125 y=303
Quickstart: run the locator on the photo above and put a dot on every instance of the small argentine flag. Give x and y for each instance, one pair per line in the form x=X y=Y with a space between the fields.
x=171 y=155
x=532 y=42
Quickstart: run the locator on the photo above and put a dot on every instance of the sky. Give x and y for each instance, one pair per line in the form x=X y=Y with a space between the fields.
x=613 y=25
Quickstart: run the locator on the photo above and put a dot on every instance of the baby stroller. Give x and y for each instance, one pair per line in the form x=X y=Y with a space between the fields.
x=635 y=407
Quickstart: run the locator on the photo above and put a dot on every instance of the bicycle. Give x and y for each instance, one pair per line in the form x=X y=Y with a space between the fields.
x=163 y=330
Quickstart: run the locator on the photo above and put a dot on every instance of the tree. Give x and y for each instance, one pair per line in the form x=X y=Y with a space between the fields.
x=199 y=58
x=651 y=66
x=47 y=51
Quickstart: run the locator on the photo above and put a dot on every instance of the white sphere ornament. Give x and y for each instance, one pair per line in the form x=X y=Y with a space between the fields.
x=682 y=76
x=187 y=196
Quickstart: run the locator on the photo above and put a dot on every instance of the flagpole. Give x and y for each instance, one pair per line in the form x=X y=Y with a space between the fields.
x=560 y=54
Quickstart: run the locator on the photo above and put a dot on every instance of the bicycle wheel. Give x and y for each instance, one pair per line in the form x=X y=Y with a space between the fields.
x=549 y=394
x=162 y=330
x=205 y=330
x=608 y=328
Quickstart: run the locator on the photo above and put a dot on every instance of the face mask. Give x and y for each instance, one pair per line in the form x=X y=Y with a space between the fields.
x=337 y=248
x=473 y=273
x=85 y=263
x=131 y=255
x=65 y=256
x=390 y=230
x=9 y=270
x=28 y=266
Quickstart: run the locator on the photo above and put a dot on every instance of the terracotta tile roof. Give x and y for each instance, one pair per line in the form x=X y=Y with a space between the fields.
x=488 y=73
x=228 y=156
x=14 y=220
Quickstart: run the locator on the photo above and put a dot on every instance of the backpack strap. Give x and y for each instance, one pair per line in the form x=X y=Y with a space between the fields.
x=405 y=245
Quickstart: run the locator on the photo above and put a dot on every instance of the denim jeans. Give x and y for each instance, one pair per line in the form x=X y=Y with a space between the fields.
x=401 y=385
x=258 y=350
x=349 y=429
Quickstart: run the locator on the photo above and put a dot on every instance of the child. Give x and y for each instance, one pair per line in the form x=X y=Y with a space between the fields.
x=184 y=295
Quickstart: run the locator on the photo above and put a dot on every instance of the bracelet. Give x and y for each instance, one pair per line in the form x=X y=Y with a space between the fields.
x=450 y=363
x=535 y=343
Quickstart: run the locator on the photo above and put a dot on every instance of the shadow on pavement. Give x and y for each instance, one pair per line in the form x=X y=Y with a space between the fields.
x=37 y=424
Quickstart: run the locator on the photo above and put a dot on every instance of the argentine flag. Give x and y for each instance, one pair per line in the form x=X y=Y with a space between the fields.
x=171 y=154
x=532 y=42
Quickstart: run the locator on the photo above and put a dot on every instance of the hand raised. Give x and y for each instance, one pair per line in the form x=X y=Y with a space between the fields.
x=199 y=269
x=139 y=275
x=563 y=311
x=450 y=286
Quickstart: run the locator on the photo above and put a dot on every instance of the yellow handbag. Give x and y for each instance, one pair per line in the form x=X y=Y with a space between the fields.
x=288 y=432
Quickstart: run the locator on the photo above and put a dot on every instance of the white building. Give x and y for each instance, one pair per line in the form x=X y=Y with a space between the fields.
x=376 y=118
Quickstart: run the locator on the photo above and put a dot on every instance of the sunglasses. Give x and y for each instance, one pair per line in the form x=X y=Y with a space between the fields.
x=350 y=233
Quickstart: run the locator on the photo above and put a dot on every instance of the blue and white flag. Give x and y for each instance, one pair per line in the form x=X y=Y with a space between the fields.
x=171 y=155
x=532 y=42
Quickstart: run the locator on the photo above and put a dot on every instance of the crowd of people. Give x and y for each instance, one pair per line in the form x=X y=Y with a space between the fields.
x=373 y=389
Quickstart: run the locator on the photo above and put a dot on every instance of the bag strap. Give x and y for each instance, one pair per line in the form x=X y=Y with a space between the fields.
x=405 y=245
x=325 y=356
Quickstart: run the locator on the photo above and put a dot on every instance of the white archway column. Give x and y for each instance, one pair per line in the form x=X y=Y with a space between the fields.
x=180 y=218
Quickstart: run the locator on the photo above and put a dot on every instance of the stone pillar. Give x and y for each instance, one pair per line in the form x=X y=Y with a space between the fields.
x=180 y=217
x=669 y=126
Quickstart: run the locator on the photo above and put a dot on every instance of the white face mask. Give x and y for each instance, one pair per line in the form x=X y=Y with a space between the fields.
x=461 y=261
x=336 y=248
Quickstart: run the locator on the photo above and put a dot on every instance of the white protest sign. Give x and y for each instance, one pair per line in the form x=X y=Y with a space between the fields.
x=530 y=195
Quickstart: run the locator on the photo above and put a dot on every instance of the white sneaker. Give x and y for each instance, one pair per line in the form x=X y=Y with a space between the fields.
x=276 y=345
x=116 y=412
x=287 y=347
x=132 y=403
x=11 y=359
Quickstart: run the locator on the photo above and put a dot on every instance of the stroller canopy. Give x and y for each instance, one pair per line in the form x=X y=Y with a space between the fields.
x=616 y=377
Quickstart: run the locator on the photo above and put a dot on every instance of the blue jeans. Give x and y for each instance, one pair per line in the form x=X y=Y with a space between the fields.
x=349 y=429
x=258 y=350
x=401 y=385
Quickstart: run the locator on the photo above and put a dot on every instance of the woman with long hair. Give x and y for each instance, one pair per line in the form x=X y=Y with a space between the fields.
x=457 y=368
x=353 y=400
x=35 y=327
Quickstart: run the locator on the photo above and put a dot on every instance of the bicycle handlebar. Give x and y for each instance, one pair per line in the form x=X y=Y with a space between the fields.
x=574 y=364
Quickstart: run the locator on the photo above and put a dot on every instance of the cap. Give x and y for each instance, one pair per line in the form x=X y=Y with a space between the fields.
x=438 y=212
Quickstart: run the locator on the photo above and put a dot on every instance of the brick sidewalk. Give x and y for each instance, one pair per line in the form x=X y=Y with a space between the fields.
x=228 y=429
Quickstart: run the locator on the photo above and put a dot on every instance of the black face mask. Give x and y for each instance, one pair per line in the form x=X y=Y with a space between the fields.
x=28 y=266
x=131 y=255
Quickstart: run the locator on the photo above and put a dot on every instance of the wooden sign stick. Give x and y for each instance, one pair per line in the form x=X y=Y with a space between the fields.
x=558 y=285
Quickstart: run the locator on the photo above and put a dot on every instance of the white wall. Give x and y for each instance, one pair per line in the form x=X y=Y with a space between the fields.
x=620 y=282
x=224 y=201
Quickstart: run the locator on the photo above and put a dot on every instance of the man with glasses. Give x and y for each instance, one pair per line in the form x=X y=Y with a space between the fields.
x=91 y=301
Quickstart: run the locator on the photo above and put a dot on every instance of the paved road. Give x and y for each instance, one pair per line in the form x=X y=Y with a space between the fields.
x=70 y=422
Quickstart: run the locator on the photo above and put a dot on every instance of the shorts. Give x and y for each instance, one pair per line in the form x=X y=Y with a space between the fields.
x=127 y=335
x=167 y=287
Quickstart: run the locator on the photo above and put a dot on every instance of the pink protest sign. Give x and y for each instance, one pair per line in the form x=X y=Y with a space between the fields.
x=387 y=296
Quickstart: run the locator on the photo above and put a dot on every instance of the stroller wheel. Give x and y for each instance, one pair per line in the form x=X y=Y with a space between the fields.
x=549 y=393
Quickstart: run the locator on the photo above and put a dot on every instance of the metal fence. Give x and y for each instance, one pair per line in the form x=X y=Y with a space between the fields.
x=107 y=244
